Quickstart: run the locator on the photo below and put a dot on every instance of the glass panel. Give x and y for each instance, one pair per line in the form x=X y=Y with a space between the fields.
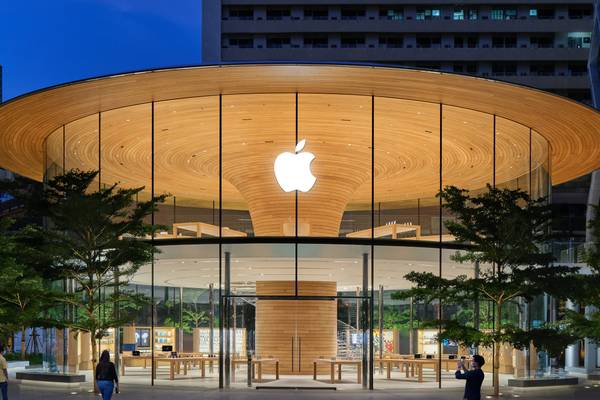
x=406 y=342
x=540 y=169
x=342 y=164
x=186 y=313
x=82 y=146
x=512 y=155
x=466 y=313
x=406 y=169
x=186 y=166
x=256 y=130
x=467 y=152
x=127 y=148
x=54 y=154
x=342 y=270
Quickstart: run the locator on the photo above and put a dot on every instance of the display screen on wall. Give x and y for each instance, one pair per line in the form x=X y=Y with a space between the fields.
x=388 y=340
x=142 y=337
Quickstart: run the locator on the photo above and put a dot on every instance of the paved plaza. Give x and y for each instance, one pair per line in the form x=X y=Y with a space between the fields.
x=135 y=392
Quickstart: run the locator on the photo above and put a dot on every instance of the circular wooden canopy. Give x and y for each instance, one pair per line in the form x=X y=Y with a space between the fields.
x=334 y=116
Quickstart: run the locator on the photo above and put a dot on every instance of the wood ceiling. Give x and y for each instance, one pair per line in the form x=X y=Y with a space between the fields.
x=334 y=118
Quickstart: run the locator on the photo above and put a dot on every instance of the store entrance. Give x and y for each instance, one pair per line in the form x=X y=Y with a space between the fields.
x=295 y=334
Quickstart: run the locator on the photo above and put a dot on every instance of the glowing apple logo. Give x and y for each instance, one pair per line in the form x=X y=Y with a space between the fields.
x=293 y=170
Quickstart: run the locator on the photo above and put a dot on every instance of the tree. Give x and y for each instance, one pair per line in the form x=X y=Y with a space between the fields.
x=23 y=293
x=92 y=238
x=509 y=231
x=191 y=315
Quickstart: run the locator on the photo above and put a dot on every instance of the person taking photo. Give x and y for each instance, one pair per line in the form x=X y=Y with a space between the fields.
x=473 y=376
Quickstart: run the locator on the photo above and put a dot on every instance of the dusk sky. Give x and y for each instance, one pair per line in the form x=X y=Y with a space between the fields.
x=47 y=42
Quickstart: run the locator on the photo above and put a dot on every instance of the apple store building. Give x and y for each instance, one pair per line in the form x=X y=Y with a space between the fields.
x=299 y=198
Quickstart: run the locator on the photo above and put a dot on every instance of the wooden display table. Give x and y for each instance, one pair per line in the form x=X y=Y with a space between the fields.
x=202 y=228
x=387 y=230
x=124 y=358
x=175 y=363
x=256 y=367
x=410 y=364
x=339 y=363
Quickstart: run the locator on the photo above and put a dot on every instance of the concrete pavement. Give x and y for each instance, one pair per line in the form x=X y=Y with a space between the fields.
x=135 y=392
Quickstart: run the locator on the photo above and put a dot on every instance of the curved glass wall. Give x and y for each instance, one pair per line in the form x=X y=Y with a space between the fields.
x=291 y=222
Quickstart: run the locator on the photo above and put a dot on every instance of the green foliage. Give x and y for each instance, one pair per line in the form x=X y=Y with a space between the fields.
x=34 y=358
x=192 y=316
x=90 y=240
x=592 y=254
x=24 y=294
x=553 y=340
x=508 y=231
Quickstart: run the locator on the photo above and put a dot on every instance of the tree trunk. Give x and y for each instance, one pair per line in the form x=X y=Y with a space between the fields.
x=496 y=365
x=23 y=332
x=94 y=360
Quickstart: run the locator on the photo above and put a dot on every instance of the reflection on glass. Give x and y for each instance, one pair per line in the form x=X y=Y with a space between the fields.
x=54 y=154
x=512 y=155
x=82 y=146
x=186 y=166
x=342 y=163
x=407 y=168
x=467 y=153
x=256 y=129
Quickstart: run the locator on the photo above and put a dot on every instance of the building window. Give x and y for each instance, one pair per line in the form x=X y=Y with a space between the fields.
x=578 y=69
x=543 y=42
x=242 y=42
x=504 y=42
x=316 y=42
x=470 y=41
x=579 y=40
x=427 y=13
x=391 y=13
x=241 y=13
x=277 y=13
x=316 y=13
x=545 y=13
x=426 y=42
x=352 y=41
x=435 y=66
x=541 y=69
x=503 y=13
x=504 y=69
x=349 y=13
x=580 y=12
x=467 y=68
x=391 y=41
x=462 y=13
x=278 y=42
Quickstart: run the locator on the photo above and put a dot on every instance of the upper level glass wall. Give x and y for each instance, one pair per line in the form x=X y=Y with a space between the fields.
x=319 y=165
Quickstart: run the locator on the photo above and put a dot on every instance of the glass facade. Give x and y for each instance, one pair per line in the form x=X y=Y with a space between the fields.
x=256 y=273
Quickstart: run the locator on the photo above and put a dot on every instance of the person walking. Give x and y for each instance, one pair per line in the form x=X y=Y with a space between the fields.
x=474 y=377
x=3 y=374
x=107 y=380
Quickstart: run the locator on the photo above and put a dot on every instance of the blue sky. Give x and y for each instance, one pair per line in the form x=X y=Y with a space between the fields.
x=47 y=42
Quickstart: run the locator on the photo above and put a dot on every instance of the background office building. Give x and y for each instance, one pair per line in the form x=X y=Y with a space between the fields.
x=543 y=44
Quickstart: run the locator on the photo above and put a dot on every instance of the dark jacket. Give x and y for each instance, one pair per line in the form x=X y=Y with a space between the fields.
x=105 y=371
x=473 y=386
